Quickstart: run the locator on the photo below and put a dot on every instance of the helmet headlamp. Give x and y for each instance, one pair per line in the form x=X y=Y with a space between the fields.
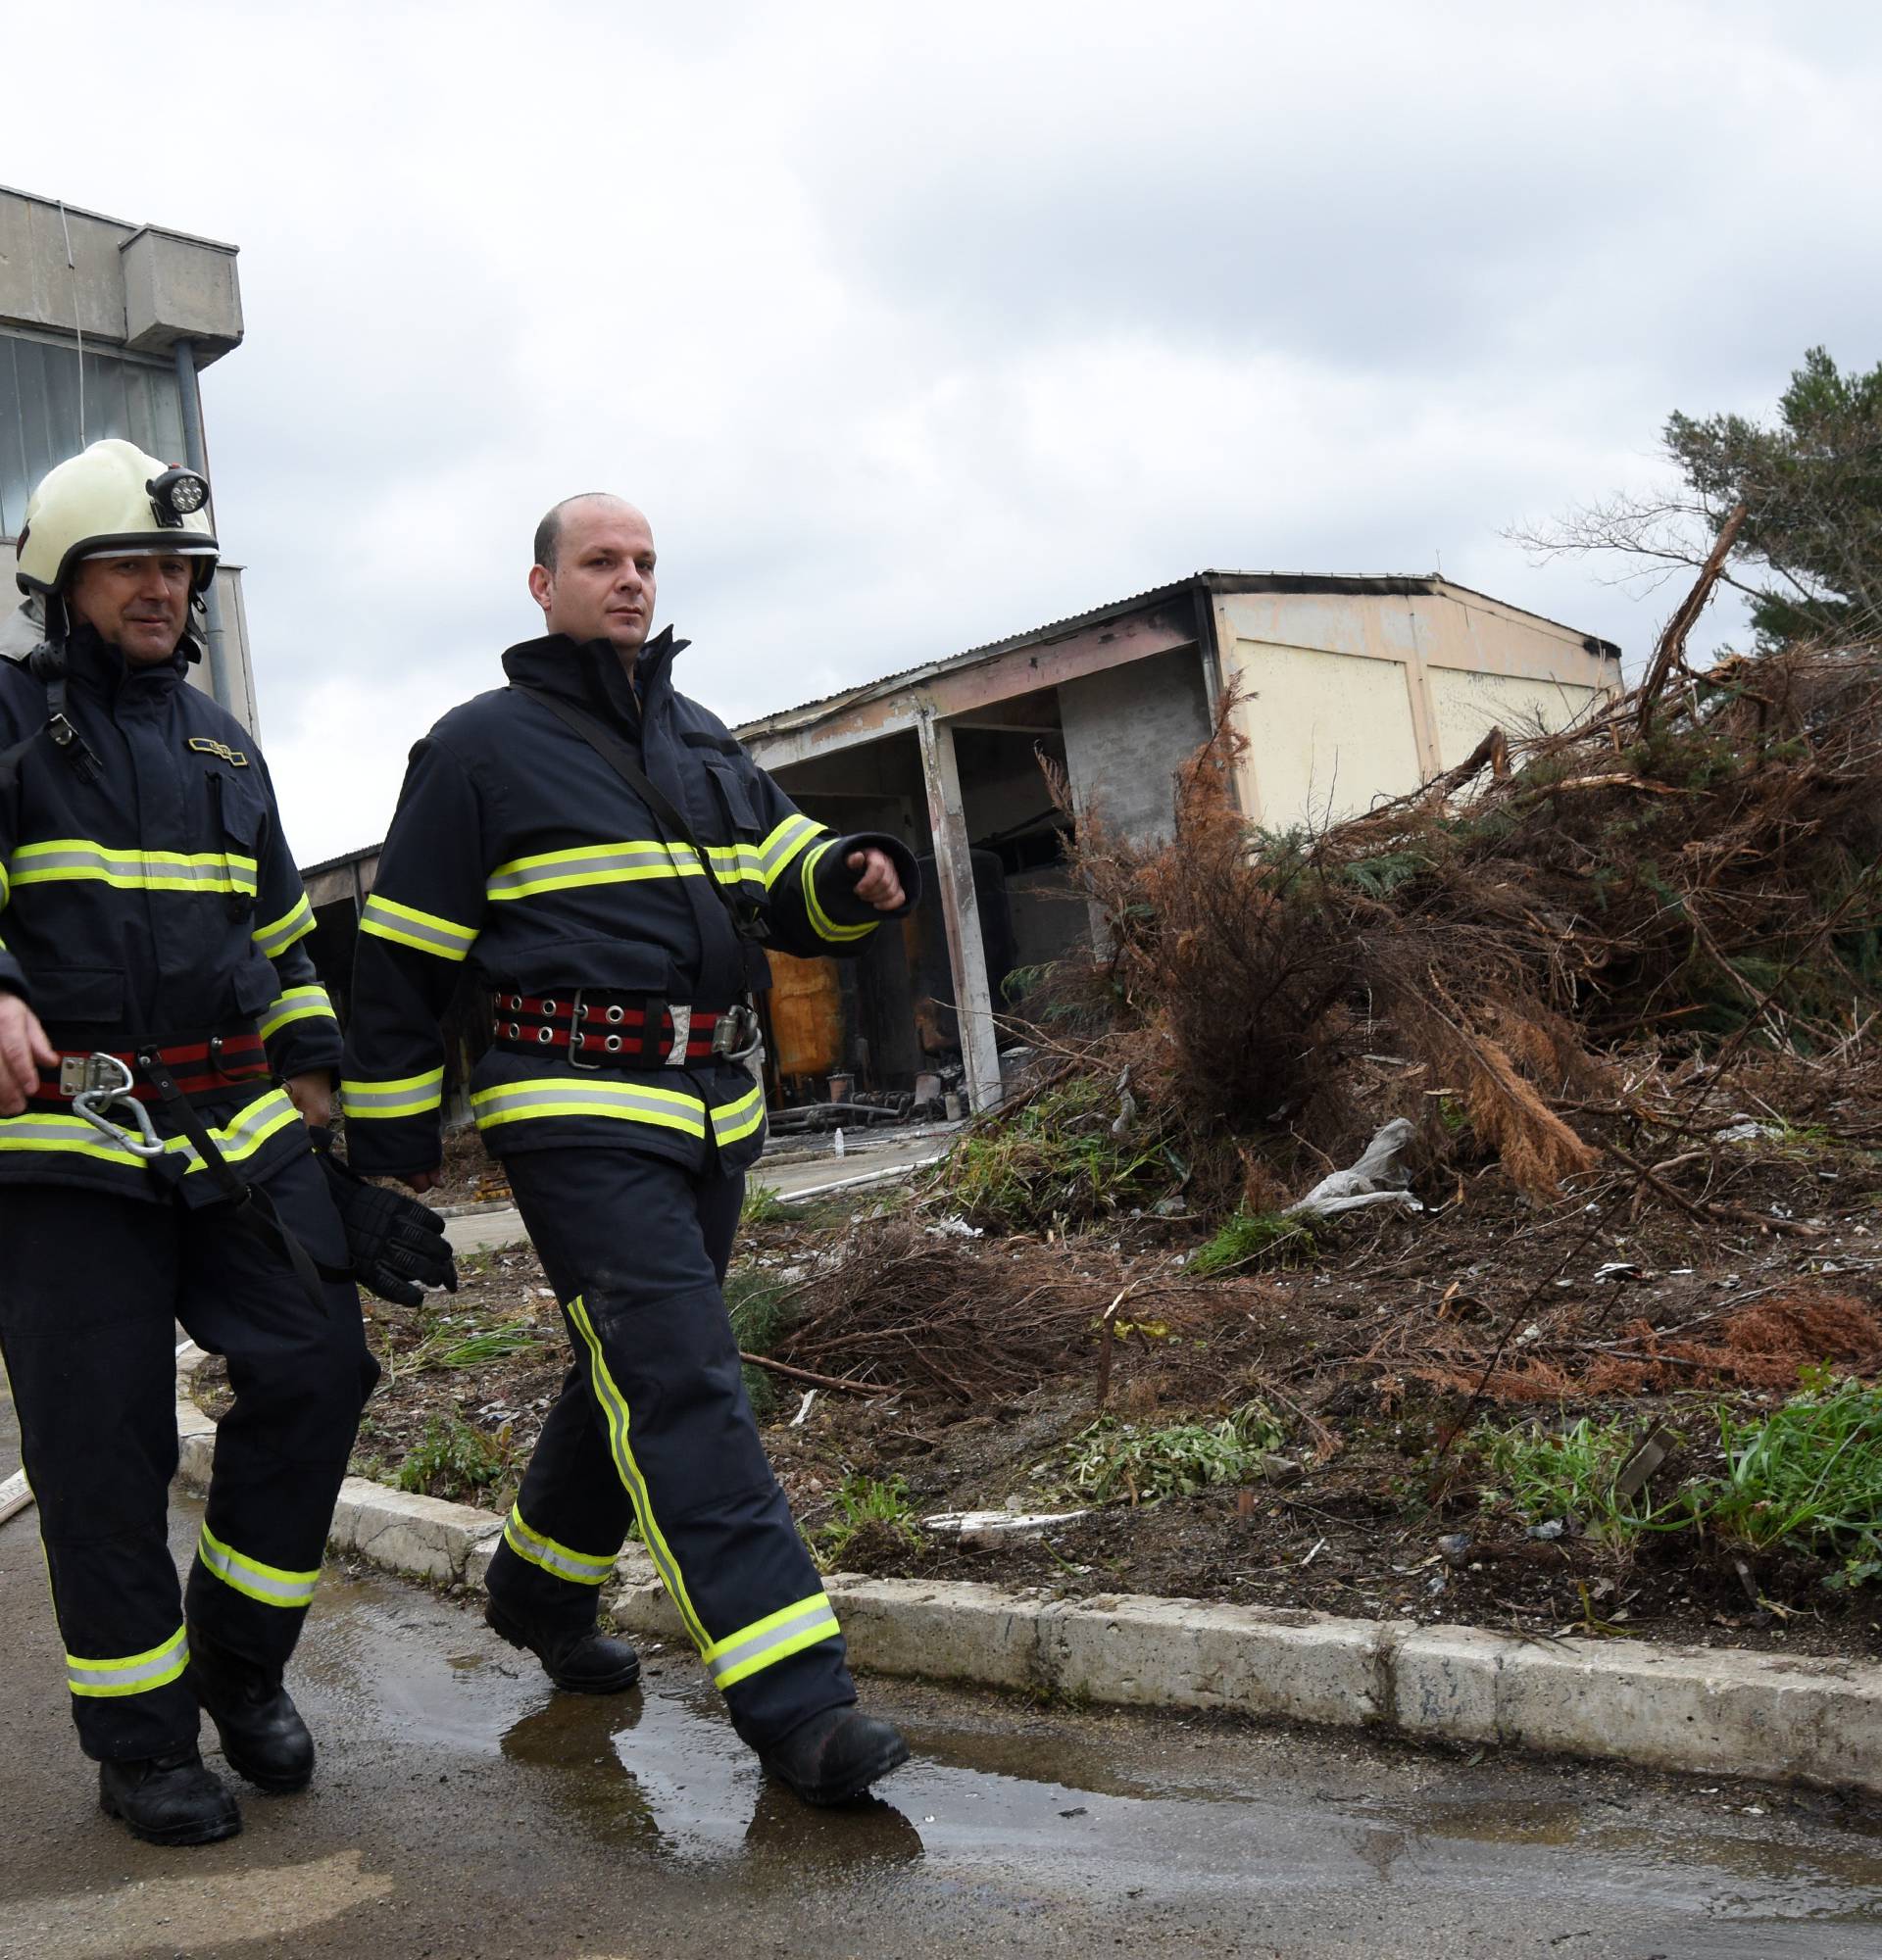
x=176 y=494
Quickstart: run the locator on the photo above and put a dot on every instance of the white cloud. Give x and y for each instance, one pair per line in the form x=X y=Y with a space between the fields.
x=913 y=329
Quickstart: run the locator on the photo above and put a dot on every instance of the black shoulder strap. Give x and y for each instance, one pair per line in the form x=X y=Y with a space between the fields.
x=47 y=665
x=745 y=917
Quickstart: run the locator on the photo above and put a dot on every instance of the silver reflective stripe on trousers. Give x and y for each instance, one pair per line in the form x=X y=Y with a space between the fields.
x=794 y=1630
x=136 y=1674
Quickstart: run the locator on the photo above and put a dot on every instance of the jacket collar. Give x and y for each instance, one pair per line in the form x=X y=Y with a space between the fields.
x=591 y=675
x=93 y=662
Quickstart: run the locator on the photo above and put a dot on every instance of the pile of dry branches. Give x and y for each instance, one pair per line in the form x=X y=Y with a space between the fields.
x=953 y=1320
x=1693 y=868
x=1572 y=1357
x=913 y=1308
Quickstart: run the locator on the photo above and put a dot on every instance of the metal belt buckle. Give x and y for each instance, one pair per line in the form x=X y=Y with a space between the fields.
x=94 y=1082
x=681 y=1016
x=737 y=1033
x=577 y=1040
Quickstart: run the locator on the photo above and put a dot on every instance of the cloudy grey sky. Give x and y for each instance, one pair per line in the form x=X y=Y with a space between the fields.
x=914 y=327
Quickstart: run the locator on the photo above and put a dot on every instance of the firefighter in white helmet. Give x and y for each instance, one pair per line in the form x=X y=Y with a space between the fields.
x=165 y=1047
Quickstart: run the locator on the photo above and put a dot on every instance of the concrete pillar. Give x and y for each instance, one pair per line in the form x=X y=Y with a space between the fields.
x=954 y=870
x=197 y=454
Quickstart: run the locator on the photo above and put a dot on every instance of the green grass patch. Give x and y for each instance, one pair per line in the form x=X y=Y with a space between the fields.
x=1571 y=1475
x=1251 y=1236
x=1810 y=1475
x=759 y=1308
x=451 y=1459
x=453 y=1346
x=763 y=1206
x=868 y=1500
x=1113 y=1459
x=1056 y=1163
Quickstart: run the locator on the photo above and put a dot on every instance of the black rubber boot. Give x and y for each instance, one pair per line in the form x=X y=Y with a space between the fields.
x=835 y=1756
x=263 y=1738
x=170 y=1799
x=581 y=1659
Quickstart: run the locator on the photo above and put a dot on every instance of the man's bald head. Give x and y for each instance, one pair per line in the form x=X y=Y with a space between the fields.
x=594 y=572
x=549 y=531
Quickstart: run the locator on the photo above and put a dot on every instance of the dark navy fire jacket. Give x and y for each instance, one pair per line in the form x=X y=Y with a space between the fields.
x=158 y=900
x=518 y=847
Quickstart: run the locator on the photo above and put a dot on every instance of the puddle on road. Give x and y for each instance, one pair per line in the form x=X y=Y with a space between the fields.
x=1063 y=1807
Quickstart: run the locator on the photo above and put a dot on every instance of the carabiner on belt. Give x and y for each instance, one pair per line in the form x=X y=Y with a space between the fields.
x=94 y=1082
x=737 y=1034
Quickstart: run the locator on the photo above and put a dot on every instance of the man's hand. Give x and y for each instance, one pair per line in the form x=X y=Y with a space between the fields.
x=313 y=1096
x=23 y=1051
x=417 y=1180
x=878 y=883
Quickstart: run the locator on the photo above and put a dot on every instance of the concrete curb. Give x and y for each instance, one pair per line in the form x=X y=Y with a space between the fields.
x=1709 y=1710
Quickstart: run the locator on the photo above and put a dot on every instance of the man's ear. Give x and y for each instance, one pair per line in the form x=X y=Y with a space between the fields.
x=542 y=583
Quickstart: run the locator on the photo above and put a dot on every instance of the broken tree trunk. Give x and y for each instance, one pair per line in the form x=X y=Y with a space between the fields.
x=1672 y=642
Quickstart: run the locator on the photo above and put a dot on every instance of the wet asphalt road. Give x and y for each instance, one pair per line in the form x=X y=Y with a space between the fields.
x=466 y=1810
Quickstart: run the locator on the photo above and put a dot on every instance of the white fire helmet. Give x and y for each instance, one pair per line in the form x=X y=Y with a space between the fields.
x=113 y=501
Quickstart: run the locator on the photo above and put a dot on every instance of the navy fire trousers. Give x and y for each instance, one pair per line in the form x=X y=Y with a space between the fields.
x=91 y=1285
x=653 y=1424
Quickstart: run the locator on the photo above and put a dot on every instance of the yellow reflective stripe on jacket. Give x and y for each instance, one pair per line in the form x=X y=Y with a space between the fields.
x=269 y=1113
x=779 y=849
x=591 y=864
x=733 y=1120
x=5 y=884
x=134 y=1674
x=614 y=1405
x=295 y=923
x=267 y=1584
x=826 y=927
x=632 y=859
x=404 y=1095
x=736 y=864
x=61 y=859
x=580 y=1568
x=576 y=1095
x=296 y=1004
x=407 y=925
x=767 y=1641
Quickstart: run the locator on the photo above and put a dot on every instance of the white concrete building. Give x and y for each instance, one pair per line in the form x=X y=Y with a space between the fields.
x=104 y=327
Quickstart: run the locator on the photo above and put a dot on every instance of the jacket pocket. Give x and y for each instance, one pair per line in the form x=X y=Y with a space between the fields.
x=243 y=823
x=734 y=819
x=734 y=798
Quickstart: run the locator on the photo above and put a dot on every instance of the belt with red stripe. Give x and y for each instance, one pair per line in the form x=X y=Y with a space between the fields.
x=597 y=1024
x=203 y=1069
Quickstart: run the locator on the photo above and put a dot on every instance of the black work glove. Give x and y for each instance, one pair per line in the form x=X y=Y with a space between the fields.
x=398 y=1244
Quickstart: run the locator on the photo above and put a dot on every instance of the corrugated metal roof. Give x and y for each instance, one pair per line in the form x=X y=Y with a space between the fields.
x=1378 y=583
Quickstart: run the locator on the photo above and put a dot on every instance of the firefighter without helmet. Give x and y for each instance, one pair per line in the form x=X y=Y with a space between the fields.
x=113 y=501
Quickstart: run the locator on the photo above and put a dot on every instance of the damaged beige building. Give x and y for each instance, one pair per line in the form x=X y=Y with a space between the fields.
x=1352 y=689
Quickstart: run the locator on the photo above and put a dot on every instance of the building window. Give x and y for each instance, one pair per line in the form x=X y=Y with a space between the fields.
x=40 y=423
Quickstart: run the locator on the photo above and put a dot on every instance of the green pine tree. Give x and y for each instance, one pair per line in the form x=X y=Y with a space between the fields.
x=1811 y=484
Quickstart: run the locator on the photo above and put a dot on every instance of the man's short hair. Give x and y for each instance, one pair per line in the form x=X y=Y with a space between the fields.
x=549 y=531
